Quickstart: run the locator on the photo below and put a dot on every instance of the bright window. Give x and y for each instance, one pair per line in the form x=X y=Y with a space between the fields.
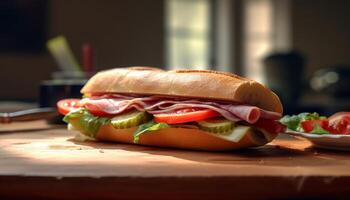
x=257 y=36
x=188 y=34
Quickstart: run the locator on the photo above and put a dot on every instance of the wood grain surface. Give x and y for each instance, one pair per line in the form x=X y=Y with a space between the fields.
x=48 y=164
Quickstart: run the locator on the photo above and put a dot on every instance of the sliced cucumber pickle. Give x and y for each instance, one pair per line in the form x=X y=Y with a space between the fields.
x=130 y=119
x=217 y=125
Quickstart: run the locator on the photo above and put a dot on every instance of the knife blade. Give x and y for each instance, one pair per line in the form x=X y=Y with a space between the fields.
x=28 y=115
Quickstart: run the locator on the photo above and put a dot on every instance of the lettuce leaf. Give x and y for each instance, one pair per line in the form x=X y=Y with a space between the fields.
x=293 y=121
x=147 y=127
x=84 y=121
x=319 y=130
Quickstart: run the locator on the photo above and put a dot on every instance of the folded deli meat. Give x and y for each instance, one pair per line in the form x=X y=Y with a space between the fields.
x=116 y=103
x=188 y=109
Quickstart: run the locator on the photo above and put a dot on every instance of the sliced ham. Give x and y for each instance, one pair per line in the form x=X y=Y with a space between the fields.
x=250 y=114
x=116 y=103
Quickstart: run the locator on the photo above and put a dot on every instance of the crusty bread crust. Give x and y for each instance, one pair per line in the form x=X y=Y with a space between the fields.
x=186 y=83
x=183 y=138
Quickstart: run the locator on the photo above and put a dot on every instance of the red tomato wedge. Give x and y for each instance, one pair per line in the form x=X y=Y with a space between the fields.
x=96 y=111
x=309 y=125
x=340 y=115
x=340 y=122
x=64 y=106
x=185 y=115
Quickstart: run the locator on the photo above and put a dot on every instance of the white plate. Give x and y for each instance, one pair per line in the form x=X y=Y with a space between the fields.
x=326 y=141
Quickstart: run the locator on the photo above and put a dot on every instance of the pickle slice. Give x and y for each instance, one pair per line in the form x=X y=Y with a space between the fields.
x=217 y=125
x=130 y=119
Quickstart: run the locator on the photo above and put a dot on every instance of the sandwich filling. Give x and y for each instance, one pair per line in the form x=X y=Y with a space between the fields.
x=151 y=113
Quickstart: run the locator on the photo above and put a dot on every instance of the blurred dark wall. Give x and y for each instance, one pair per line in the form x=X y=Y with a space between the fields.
x=123 y=33
x=132 y=33
x=321 y=30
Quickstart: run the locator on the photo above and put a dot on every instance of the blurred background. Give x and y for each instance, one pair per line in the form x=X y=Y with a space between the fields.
x=300 y=49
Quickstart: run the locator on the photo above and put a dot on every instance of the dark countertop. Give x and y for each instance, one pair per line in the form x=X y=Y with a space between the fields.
x=46 y=164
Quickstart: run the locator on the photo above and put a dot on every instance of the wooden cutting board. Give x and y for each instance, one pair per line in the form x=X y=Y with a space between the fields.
x=47 y=164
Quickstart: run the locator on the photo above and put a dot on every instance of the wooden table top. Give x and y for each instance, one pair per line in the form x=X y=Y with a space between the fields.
x=47 y=163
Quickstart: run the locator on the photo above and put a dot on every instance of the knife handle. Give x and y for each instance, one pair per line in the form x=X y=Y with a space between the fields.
x=28 y=115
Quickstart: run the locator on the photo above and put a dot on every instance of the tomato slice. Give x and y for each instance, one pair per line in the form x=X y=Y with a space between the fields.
x=309 y=125
x=64 y=106
x=340 y=122
x=185 y=115
x=96 y=111
x=340 y=115
x=270 y=125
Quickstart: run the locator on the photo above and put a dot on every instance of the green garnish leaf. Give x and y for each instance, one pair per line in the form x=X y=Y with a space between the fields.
x=73 y=114
x=85 y=121
x=146 y=127
x=293 y=122
x=319 y=130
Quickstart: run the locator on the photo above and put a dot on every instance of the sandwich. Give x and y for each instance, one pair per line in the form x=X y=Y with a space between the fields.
x=187 y=109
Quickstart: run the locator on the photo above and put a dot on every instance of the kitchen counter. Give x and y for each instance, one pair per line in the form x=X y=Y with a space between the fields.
x=45 y=163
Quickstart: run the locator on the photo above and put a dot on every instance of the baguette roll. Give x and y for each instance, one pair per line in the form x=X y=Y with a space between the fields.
x=184 y=83
x=186 y=138
x=191 y=84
